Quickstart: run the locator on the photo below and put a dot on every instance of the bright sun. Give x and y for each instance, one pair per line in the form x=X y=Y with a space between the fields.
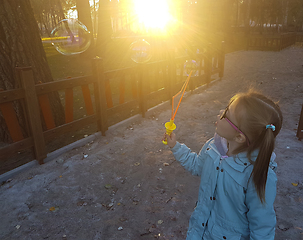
x=153 y=13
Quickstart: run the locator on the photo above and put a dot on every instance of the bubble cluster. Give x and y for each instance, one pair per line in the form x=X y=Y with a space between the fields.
x=70 y=37
x=140 y=51
x=191 y=65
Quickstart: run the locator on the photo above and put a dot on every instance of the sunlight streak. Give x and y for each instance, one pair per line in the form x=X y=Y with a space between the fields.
x=153 y=13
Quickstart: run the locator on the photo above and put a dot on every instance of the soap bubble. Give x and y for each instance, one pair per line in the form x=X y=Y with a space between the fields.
x=191 y=65
x=141 y=51
x=70 y=37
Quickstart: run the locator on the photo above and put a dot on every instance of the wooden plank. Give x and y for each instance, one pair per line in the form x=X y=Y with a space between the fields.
x=157 y=77
x=208 y=63
x=300 y=125
x=99 y=91
x=221 y=61
x=142 y=88
x=11 y=95
x=114 y=73
x=7 y=151
x=46 y=111
x=33 y=112
x=122 y=89
x=69 y=105
x=11 y=121
x=121 y=107
x=44 y=88
x=108 y=93
x=134 y=84
x=156 y=94
x=215 y=71
x=69 y=127
x=87 y=100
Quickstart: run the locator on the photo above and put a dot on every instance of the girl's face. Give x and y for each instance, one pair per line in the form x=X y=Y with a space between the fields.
x=224 y=128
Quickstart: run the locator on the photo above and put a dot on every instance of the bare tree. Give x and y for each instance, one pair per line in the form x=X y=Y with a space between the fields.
x=21 y=46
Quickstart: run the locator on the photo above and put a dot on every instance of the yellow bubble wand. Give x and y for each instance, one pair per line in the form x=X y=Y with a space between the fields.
x=171 y=126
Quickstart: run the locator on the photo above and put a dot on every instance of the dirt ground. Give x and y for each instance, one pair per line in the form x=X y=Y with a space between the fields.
x=127 y=185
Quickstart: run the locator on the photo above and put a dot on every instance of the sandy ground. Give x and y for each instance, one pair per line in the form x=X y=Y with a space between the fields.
x=128 y=186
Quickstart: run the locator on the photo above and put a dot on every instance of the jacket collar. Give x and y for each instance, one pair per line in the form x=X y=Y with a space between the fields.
x=240 y=161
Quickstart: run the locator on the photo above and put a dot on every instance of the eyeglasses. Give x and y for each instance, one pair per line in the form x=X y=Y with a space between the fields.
x=231 y=123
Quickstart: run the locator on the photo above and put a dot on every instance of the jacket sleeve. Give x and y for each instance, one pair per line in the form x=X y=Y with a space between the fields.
x=191 y=161
x=261 y=216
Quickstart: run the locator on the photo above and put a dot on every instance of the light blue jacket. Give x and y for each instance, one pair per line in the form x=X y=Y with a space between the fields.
x=228 y=206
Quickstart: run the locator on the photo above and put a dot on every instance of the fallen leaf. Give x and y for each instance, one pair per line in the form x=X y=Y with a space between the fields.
x=137 y=164
x=160 y=221
x=81 y=203
x=294 y=184
x=108 y=186
x=54 y=209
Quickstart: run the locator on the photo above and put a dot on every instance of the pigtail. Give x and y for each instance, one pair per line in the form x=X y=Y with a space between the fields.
x=267 y=144
x=261 y=120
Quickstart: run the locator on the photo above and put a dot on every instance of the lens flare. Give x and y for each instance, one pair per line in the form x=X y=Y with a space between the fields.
x=153 y=13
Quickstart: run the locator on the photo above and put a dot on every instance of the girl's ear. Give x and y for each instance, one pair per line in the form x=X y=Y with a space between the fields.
x=240 y=138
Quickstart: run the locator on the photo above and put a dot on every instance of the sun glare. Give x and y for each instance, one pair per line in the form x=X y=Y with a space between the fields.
x=153 y=13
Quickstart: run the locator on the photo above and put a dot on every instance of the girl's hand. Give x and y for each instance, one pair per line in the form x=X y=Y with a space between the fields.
x=171 y=139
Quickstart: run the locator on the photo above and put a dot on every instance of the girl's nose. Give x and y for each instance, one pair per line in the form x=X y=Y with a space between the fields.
x=220 y=114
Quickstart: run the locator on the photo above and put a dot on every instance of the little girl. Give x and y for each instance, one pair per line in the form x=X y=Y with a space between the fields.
x=237 y=169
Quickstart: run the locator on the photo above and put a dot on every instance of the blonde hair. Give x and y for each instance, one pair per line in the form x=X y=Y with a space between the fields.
x=253 y=112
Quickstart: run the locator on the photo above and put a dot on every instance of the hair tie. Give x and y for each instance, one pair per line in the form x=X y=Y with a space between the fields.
x=271 y=126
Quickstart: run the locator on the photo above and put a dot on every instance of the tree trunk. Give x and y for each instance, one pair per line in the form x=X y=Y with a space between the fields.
x=104 y=27
x=21 y=46
x=84 y=16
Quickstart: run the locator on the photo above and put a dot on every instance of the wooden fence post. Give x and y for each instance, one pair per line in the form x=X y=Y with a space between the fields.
x=33 y=112
x=142 y=88
x=300 y=126
x=100 y=95
x=171 y=80
x=208 y=64
x=221 y=60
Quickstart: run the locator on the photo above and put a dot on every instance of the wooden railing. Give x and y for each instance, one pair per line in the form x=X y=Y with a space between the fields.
x=105 y=94
x=270 y=42
x=299 y=37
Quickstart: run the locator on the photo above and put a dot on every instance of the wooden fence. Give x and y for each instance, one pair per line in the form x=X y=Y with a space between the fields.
x=299 y=37
x=105 y=94
x=271 y=42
